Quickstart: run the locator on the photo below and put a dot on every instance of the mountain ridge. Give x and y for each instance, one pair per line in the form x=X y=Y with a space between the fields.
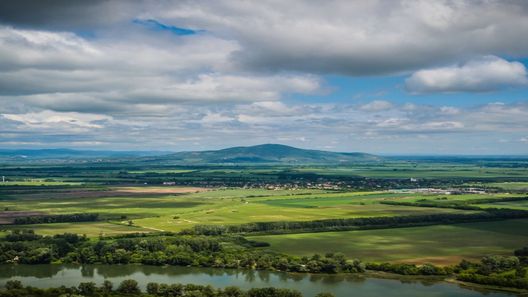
x=257 y=154
x=271 y=153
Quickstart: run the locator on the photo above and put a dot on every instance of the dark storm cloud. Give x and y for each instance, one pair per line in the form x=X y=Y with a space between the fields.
x=65 y=14
x=361 y=37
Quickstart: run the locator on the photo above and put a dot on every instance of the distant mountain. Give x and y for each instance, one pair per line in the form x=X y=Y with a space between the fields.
x=268 y=153
x=32 y=154
x=258 y=154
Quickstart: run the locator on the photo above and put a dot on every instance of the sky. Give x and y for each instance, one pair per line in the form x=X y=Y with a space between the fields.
x=380 y=76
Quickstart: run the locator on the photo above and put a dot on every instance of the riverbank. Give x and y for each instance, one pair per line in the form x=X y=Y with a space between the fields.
x=518 y=292
x=364 y=284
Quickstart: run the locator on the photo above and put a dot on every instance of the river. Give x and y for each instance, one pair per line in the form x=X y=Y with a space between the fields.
x=342 y=285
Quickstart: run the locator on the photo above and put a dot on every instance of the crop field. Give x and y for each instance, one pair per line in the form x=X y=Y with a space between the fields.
x=155 y=208
x=442 y=198
x=411 y=170
x=135 y=200
x=518 y=186
x=440 y=244
x=246 y=212
x=91 y=229
x=509 y=204
x=38 y=183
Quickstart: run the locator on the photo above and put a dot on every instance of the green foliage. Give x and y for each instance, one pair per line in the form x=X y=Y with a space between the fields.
x=130 y=288
x=46 y=219
x=503 y=271
x=13 y=285
x=408 y=269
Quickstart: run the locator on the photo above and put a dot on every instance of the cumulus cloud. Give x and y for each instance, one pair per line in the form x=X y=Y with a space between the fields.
x=346 y=127
x=46 y=119
x=480 y=75
x=64 y=72
x=377 y=105
x=344 y=37
x=109 y=73
x=357 y=37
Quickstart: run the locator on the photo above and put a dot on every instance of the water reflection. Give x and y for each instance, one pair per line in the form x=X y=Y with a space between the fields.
x=309 y=284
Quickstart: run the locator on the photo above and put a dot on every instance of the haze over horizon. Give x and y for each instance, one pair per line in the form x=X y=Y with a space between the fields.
x=381 y=77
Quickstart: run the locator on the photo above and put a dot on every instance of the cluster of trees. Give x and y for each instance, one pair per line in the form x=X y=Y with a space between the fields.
x=495 y=280
x=504 y=271
x=355 y=223
x=204 y=252
x=409 y=269
x=209 y=251
x=62 y=218
x=199 y=251
x=22 y=235
x=131 y=288
x=27 y=248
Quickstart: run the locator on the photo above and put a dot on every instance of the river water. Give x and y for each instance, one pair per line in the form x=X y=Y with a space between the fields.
x=45 y=276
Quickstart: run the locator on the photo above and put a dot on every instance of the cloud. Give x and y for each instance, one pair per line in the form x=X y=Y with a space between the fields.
x=46 y=119
x=234 y=81
x=377 y=105
x=66 y=14
x=64 y=72
x=344 y=37
x=480 y=75
x=424 y=128
x=356 y=37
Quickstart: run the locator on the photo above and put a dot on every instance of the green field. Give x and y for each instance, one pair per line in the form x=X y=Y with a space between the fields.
x=231 y=195
x=39 y=183
x=510 y=204
x=91 y=229
x=441 y=244
x=518 y=186
x=413 y=170
x=174 y=212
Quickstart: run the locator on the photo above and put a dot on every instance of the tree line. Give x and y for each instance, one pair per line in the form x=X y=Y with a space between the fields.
x=282 y=227
x=130 y=287
x=61 y=218
x=199 y=251
x=502 y=271
x=237 y=252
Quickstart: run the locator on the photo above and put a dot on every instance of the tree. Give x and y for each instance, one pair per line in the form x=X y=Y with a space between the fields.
x=107 y=287
x=233 y=292
x=87 y=289
x=129 y=286
x=153 y=288
x=13 y=285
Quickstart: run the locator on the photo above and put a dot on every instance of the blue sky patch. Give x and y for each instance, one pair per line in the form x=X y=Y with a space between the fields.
x=157 y=26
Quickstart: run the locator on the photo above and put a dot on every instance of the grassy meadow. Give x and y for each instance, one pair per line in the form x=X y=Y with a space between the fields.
x=440 y=244
x=152 y=208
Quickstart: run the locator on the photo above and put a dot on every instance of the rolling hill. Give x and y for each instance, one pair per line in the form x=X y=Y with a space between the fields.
x=270 y=153
x=258 y=154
